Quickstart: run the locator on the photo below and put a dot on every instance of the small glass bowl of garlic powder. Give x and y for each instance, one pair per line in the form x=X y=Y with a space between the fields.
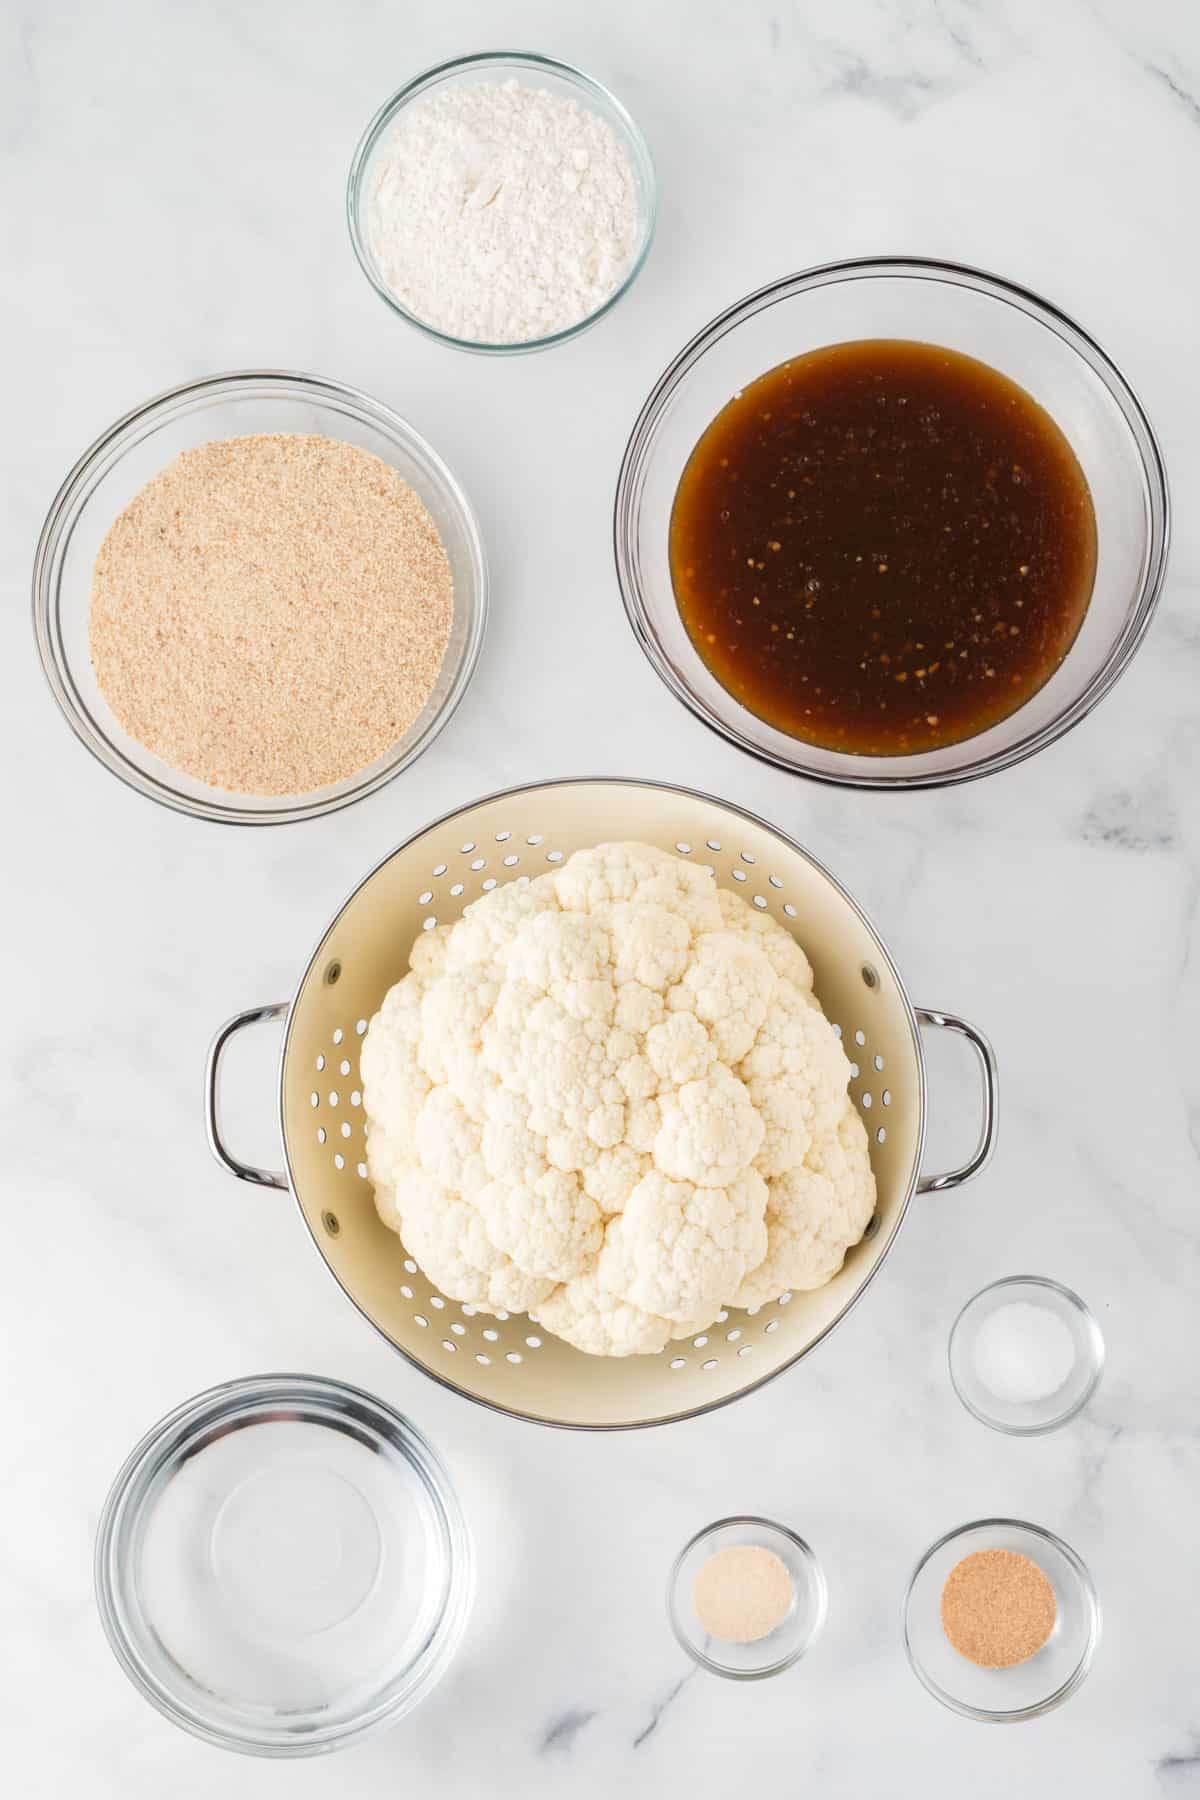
x=746 y=1598
x=1025 y=1355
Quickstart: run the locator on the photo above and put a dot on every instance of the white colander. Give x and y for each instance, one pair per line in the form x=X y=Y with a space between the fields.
x=506 y=1362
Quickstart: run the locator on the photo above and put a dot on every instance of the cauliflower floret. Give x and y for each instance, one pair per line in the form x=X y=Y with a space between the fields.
x=677 y=1249
x=679 y=1049
x=553 y=1228
x=649 y=944
x=709 y=1130
x=447 y=1143
x=590 y=1316
x=487 y=930
x=768 y=935
x=815 y=1212
x=610 y=1099
x=445 y=1233
x=390 y=1070
x=639 y=872
x=728 y=984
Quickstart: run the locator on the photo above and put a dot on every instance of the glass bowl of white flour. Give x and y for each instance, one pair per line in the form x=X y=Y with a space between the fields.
x=501 y=202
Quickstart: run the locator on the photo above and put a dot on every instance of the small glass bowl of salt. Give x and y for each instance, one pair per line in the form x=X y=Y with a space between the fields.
x=1025 y=1355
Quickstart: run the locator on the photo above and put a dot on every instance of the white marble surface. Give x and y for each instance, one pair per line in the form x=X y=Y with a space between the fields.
x=172 y=179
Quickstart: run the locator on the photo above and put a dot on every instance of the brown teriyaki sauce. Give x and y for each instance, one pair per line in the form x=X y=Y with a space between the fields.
x=882 y=547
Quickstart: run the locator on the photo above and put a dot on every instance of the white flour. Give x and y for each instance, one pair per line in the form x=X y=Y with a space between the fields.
x=502 y=213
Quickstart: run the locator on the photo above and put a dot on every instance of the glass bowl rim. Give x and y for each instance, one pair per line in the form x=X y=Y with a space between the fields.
x=246 y=1395
x=817 y=1586
x=1009 y=1715
x=915 y=268
x=1075 y=1303
x=385 y=115
x=106 y=452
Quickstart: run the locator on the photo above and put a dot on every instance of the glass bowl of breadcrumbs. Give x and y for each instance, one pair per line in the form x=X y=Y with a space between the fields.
x=259 y=597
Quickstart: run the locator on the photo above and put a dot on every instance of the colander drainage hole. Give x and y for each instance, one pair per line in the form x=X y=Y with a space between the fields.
x=710 y=1362
x=870 y=976
x=331 y=1223
x=333 y=972
x=679 y=1362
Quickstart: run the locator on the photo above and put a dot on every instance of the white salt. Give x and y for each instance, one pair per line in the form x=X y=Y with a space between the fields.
x=1023 y=1353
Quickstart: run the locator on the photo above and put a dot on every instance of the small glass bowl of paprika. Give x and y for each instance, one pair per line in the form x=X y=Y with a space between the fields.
x=1034 y=1616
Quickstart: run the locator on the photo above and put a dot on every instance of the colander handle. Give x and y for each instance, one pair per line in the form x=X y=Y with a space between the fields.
x=943 y=1021
x=254 y=1015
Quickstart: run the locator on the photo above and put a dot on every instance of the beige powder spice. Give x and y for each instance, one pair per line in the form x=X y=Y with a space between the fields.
x=269 y=614
x=742 y=1593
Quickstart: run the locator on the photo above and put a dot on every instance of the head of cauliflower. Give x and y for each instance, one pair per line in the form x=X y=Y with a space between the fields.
x=609 y=1098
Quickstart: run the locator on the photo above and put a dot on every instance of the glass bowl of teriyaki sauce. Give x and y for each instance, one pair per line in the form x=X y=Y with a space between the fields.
x=891 y=524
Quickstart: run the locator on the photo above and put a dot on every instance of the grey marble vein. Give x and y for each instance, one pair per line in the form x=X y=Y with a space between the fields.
x=562 y=1731
x=660 y=1708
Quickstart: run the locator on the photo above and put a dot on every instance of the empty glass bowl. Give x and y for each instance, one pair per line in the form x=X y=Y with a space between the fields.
x=796 y=1632
x=282 y=1566
x=137 y=447
x=1014 y=331
x=975 y=1345
x=1026 y=1689
x=557 y=78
